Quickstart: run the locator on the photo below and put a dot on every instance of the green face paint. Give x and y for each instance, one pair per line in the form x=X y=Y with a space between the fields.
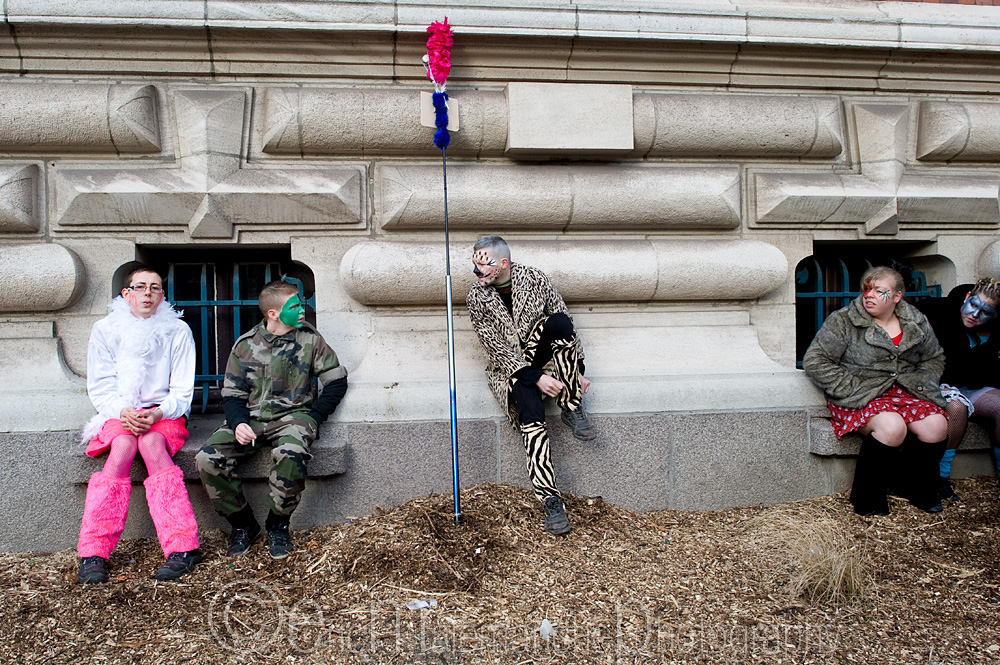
x=291 y=311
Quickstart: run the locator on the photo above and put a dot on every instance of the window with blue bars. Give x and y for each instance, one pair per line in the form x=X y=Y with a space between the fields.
x=217 y=291
x=831 y=279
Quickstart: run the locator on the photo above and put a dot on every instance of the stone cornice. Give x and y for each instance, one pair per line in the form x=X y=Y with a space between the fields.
x=836 y=23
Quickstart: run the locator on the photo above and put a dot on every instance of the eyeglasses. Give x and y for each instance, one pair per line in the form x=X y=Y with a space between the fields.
x=155 y=289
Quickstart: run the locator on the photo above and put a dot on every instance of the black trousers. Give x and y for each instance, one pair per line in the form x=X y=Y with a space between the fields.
x=527 y=397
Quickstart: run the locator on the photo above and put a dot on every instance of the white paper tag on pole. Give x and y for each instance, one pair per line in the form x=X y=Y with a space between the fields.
x=427 y=112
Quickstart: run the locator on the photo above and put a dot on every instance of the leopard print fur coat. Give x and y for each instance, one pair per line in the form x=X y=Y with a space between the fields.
x=504 y=338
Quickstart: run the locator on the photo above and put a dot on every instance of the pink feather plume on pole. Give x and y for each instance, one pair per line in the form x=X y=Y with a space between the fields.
x=439 y=53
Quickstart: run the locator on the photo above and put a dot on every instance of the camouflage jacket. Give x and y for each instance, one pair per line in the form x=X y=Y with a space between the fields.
x=274 y=373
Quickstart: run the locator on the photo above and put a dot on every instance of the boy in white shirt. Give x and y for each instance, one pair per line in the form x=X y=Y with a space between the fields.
x=140 y=378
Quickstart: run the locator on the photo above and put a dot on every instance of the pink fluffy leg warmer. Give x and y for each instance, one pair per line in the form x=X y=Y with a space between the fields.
x=104 y=514
x=170 y=508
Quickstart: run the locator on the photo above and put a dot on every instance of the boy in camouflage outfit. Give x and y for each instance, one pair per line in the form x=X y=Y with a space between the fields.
x=269 y=398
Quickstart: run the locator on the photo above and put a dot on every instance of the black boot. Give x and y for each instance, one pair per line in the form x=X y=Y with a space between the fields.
x=871 y=477
x=924 y=461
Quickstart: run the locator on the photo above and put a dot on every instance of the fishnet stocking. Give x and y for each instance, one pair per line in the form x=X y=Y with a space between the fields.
x=153 y=448
x=123 y=449
x=958 y=420
x=988 y=414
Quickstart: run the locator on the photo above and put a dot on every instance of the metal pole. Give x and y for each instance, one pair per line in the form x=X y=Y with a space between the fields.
x=451 y=345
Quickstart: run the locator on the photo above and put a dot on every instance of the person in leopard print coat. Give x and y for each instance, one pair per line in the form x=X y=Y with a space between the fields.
x=534 y=352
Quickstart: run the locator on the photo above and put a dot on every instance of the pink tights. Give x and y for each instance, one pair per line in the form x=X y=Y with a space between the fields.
x=151 y=445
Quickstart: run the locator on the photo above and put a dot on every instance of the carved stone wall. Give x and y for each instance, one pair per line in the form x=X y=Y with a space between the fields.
x=667 y=166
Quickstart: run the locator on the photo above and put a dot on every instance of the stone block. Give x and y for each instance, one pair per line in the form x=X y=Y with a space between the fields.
x=952 y=200
x=299 y=14
x=546 y=118
x=975 y=29
x=958 y=132
x=44 y=117
x=213 y=193
x=722 y=460
x=21 y=206
x=389 y=464
x=847 y=29
x=989 y=261
x=690 y=269
x=40 y=511
x=320 y=55
x=539 y=18
x=739 y=125
x=38 y=277
x=790 y=198
x=585 y=198
x=628 y=464
x=760 y=65
x=374 y=121
x=660 y=20
x=642 y=270
x=46 y=396
x=130 y=49
x=100 y=10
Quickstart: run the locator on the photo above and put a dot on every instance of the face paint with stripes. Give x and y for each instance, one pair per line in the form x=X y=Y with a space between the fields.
x=485 y=267
x=977 y=310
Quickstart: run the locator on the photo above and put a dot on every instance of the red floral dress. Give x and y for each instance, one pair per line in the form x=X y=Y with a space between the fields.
x=845 y=420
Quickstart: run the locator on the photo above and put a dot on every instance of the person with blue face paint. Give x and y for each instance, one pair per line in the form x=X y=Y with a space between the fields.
x=963 y=323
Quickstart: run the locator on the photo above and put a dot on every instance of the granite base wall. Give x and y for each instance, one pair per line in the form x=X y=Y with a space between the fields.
x=683 y=461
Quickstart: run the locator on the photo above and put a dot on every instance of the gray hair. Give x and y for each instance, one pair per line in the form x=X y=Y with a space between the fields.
x=496 y=245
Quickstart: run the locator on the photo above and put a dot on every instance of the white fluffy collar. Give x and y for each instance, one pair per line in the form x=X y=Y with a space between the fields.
x=138 y=343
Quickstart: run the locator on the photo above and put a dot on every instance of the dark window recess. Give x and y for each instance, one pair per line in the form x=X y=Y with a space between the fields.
x=831 y=279
x=217 y=291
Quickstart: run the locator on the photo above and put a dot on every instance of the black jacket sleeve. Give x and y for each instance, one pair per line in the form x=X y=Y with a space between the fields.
x=328 y=400
x=236 y=411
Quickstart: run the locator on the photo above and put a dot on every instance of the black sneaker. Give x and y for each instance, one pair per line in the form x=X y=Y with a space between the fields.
x=946 y=492
x=93 y=570
x=241 y=540
x=936 y=508
x=579 y=422
x=177 y=564
x=555 y=516
x=279 y=542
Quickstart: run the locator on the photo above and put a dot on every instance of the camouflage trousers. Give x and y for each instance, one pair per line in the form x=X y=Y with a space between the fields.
x=289 y=438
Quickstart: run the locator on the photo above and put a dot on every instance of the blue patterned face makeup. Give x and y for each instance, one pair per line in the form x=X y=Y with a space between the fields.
x=976 y=311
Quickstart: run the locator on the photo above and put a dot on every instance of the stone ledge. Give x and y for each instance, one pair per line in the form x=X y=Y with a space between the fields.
x=822 y=440
x=329 y=455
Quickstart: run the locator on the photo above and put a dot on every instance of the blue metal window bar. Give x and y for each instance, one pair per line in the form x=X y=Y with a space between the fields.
x=212 y=343
x=811 y=279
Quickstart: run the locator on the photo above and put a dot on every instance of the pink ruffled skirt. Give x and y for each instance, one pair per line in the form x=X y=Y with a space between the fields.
x=174 y=431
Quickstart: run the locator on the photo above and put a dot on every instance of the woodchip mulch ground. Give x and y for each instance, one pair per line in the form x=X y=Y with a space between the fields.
x=806 y=582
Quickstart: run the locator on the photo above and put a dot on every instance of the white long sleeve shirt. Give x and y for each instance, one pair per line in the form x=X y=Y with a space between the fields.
x=141 y=362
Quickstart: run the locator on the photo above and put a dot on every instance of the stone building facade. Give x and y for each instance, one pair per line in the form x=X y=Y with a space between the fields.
x=671 y=166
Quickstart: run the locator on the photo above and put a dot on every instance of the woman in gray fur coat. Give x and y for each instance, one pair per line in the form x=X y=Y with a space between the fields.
x=880 y=365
